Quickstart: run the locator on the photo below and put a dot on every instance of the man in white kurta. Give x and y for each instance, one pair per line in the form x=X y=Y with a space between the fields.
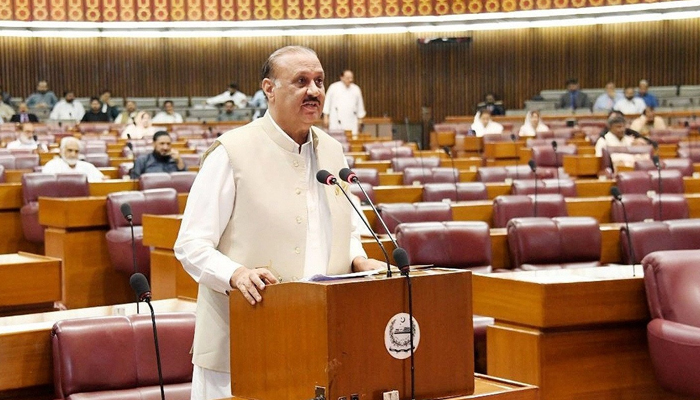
x=69 y=162
x=256 y=216
x=344 y=108
x=67 y=109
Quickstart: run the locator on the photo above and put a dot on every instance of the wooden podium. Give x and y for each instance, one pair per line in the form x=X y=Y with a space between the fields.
x=332 y=335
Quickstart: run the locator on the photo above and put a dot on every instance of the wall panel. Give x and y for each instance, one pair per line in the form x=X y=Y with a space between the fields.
x=397 y=75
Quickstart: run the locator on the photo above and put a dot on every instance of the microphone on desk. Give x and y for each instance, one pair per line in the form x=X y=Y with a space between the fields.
x=515 y=144
x=556 y=164
x=402 y=261
x=617 y=196
x=455 y=173
x=140 y=285
x=128 y=215
x=657 y=164
x=638 y=135
x=533 y=167
x=327 y=178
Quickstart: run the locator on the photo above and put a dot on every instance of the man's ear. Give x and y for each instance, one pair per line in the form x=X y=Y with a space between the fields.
x=268 y=87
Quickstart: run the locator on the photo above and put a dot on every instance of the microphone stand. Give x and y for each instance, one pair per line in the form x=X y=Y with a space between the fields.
x=455 y=173
x=155 y=339
x=556 y=164
x=517 y=156
x=618 y=197
x=657 y=164
x=403 y=263
x=534 y=171
x=139 y=284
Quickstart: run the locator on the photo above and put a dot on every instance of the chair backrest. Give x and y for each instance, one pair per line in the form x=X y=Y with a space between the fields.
x=684 y=165
x=634 y=182
x=685 y=233
x=100 y=160
x=565 y=187
x=554 y=242
x=355 y=189
x=7 y=161
x=26 y=161
x=670 y=207
x=692 y=153
x=2 y=173
x=397 y=213
x=367 y=175
x=399 y=164
x=545 y=156
x=37 y=184
x=152 y=201
x=671 y=279
x=671 y=181
x=491 y=174
x=387 y=153
x=639 y=207
x=351 y=161
x=508 y=207
x=443 y=243
x=180 y=180
x=463 y=191
x=608 y=151
x=191 y=160
x=430 y=175
x=646 y=237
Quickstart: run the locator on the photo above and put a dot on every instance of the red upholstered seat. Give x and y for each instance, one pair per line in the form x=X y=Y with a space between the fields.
x=110 y=358
x=7 y=161
x=100 y=160
x=400 y=164
x=553 y=243
x=153 y=201
x=430 y=175
x=463 y=191
x=506 y=208
x=387 y=153
x=397 y=213
x=671 y=181
x=350 y=160
x=565 y=187
x=181 y=181
x=491 y=174
x=648 y=237
x=355 y=189
x=671 y=280
x=26 y=161
x=35 y=185
x=692 y=153
x=367 y=175
x=684 y=165
x=640 y=207
x=634 y=182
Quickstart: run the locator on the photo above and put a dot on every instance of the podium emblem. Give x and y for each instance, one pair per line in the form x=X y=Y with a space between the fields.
x=397 y=336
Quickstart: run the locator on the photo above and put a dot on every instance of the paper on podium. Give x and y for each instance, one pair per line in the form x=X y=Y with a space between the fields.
x=323 y=277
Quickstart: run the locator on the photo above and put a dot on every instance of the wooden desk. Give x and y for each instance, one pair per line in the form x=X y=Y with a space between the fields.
x=112 y=185
x=29 y=280
x=75 y=232
x=581 y=165
x=576 y=333
x=11 y=234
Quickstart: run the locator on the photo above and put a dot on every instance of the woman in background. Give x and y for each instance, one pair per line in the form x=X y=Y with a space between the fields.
x=533 y=125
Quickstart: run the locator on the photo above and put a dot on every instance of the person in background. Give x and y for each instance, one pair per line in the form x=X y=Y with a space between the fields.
x=647 y=121
x=95 y=114
x=533 y=125
x=111 y=110
x=643 y=93
x=574 y=98
x=236 y=96
x=68 y=108
x=127 y=116
x=228 y=113
x=163 y=158
x=43 y=98
x=615 y=136
x=490 y=103
x=23 y=115
x=344 y=108
x=69 y=161
x=168 y=115
x=606 y=101
x=5 y=96
x=6 y=112
x=259 y=102
x=484 y=125
x=25 y=138
x=630 y=105
x=142 y=127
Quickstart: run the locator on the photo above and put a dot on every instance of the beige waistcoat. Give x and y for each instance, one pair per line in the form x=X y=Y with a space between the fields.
x=268 y=224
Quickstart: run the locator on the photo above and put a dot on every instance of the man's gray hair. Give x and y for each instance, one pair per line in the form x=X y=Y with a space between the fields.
x=70 y=139
x=270 y=65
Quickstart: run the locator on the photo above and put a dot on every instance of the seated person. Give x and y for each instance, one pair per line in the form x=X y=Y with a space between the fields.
x=95 y=114
x=25 y=139
x=490 y=103
x=573 y=98
x=69 y=162
x=141 y=129
x=229 y=113
x=483 y=125
x=6 y=112
x=606 y=101
x=23 y=115
x=67 y=108
x=648 y=120
x=533 y=124
x=168 y=115
x=616 y=137
x=128 y=116
x=630 y=105
x=162 y=159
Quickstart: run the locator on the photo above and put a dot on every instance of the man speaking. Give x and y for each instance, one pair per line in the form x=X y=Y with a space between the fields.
x=256 y=215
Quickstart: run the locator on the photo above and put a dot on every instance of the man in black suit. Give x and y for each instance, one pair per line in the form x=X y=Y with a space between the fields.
x=574 y=98
x=23 y=114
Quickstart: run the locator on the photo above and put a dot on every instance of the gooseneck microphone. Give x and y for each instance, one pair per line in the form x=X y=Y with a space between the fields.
x=139 y=284
x=533 y=167
x=556 y=165
x=402 y=261
x=617 y=196
x=638 y=135
x=327 y=178
x=129 y=216
x=517 y=157
x=657 y=164
x=455 y=173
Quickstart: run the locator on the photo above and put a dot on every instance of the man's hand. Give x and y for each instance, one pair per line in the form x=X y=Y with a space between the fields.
x=360 y=264
x=250 y=282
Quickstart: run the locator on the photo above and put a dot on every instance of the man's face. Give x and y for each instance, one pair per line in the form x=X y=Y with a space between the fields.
x=168 y=107
x=130 y=106
x=162 y=145
x=490 y=99
x=572 y=87
x=643 y=88
x=95 y=105
x=104 y=97
x=228 y=107
x=618 y=130
x=650 y=114
x=347 y=78
x=22 y=108
x=297 y=93
x=70 y=153
x=610 y=89
x=485 y=118
x=70 y=97
x=42 y=87
x=629 y=93
x=535 y=118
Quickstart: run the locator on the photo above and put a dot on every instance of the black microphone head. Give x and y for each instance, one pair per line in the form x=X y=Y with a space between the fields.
x=130 y=146
x=401 y=259
x=447 y=151
x=347 y=175
x=325 y=177
x=532 y=165
x=140 y=285
x=35 y=137
x=631 y=132
x=615 y=192
x=512 y=137
x=555 y=145
x=126 y=211
x=128 y=136
x=655 y=160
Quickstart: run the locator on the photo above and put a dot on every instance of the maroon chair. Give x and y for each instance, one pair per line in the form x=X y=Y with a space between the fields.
x=605 y=160
x=355 y=189
x=554 y=243
x=2 y=173
x=113 y=357
x=463 y=191
x=400 y=164
x=671 y=181
x=26 y=161
x=153 y=201
x=507 y=207
x=7 y=161
x=100 y=160
x=670 y=207
x=389 y=143
x=37 y=184
x=350 y=160
x=640 y=207
x=430 y=175
x=646 y=238
x=634 y=182
x=191 y=160
x=671 y=280
x=491 y=174
x=685 y=233
x=691 y=153
x=565 y=187
x=367 y=175
x=397 y=213
x=684 y=165
x=181 y=181
x=387 y=153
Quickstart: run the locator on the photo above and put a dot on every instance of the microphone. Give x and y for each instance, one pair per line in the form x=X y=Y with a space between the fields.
x=533 y=167
x=126 y=211
x=140 y=285
x=455 y=173
x=327 y=178
x=512 y=138
x=128 y=215
x=657 y=164
x=637 y=135
x=556 y=158
x=617 y=196
x=401 y=258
